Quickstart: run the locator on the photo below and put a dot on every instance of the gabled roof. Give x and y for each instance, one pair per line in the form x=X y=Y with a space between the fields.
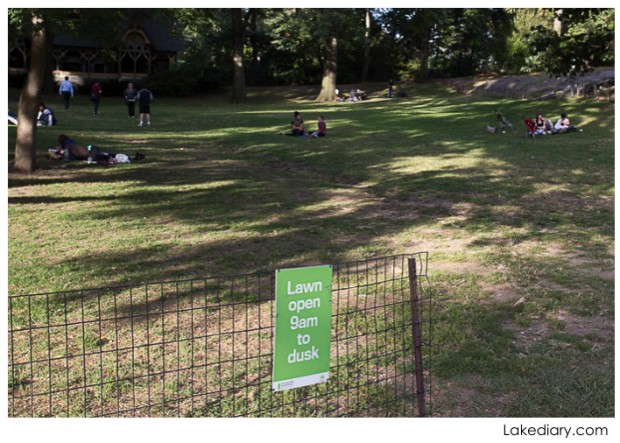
x=162 y=37
x=159 y=35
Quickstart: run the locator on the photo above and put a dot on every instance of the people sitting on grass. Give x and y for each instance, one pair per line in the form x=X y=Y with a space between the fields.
x=322 y=128
x=45 y=117
x=338 y=97
x=297 y=126
x=357 y=95
x=563 y=125
x=543 y=125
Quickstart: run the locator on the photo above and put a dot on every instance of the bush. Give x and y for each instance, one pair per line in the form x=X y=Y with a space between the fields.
x=209 y=80
x=175 y=82
x=17 y=80
x=111 y=88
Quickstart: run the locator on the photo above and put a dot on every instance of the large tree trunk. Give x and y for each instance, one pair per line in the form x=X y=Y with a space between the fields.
x=256 y=67
x=49 y=86
x=26 y=146
x=366 y=66
x=239 y=71
x=425 y=48
x=328 y=85
x=557 y=21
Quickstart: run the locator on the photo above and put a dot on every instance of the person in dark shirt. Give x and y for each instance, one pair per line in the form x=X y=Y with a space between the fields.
x=130 y=94
x=70 y=150
x=145 y=97
x=95 y=96
x=297 y=126
x=542 y=127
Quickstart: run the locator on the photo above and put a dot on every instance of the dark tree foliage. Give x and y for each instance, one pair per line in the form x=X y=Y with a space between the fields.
x=584 y=40
x=238 y=25
x=472 y=41
x=288 y=46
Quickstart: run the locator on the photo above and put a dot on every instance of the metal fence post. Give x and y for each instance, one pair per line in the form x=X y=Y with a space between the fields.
x=416 y=330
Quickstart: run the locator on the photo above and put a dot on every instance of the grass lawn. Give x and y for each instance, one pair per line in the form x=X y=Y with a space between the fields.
x=520 y=233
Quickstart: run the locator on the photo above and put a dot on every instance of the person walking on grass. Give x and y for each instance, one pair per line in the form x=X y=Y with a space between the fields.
x=95 y=97
x=66 y=91
x=145 y=97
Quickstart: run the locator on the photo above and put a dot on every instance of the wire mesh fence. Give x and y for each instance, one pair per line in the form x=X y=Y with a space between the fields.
x=204 y=348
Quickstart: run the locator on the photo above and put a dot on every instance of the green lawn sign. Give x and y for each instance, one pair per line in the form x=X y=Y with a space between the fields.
x=302 y=327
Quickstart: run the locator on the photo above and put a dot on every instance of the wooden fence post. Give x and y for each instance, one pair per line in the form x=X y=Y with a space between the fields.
x=416 y=330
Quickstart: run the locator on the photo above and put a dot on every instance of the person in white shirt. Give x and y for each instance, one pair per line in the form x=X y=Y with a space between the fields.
x=45 y=117
x=563 y=124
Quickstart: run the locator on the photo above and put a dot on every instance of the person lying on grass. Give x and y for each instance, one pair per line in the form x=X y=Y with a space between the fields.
x=70 y=150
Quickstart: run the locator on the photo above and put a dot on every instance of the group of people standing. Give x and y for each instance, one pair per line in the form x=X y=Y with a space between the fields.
x=145 y=97
x=132 y=95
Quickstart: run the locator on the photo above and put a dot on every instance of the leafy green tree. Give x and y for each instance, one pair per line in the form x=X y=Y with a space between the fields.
x=238 y=26
x=288 y=56
x=207 y=45
x=473 y=40
x=281 y=46
x=519 y=57
x=584 y=40
x=416 y=30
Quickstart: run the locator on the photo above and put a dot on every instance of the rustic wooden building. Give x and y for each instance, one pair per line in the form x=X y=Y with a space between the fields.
x=144 y=50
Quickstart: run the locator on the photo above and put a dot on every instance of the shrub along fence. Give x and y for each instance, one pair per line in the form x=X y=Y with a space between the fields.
x=204 y=348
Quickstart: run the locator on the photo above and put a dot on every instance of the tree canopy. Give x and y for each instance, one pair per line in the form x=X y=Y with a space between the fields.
x=289 y=46
x=581 y=40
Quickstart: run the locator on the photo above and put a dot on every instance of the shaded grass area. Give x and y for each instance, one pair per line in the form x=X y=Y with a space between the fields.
x=520 y=232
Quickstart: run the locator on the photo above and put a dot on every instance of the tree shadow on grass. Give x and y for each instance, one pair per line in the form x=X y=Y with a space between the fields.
x=266 y=192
